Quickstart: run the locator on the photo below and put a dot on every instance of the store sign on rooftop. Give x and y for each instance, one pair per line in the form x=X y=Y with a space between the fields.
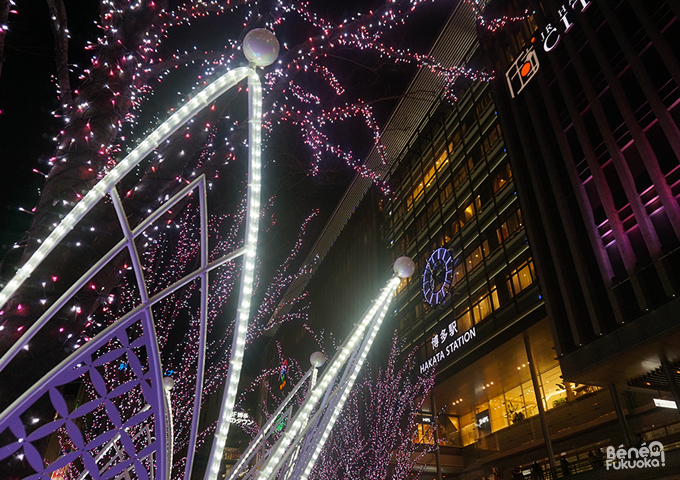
x=526 y=65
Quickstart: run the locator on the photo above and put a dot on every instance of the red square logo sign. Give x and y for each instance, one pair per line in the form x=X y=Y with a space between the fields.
x=522 y=71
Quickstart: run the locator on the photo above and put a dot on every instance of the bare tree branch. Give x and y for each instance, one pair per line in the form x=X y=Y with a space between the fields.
x=59 y=22
x=4 y=15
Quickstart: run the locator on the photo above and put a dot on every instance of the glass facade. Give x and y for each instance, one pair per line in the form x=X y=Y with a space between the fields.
x=454 y=189
x=483 y=414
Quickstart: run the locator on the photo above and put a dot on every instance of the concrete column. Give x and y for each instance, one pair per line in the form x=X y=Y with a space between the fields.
x=541 y=410
x=670 y=377
x=623 y=423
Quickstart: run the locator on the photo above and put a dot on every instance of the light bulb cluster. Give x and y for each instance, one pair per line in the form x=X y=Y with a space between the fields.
x=390 y=403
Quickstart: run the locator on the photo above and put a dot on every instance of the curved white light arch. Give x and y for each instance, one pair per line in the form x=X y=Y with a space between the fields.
x=107 y=186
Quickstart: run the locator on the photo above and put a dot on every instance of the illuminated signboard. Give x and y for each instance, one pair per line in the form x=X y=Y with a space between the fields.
x=550 y=36
x=526 y=65
x=483 y=422
x=446 y=342
x=658 y=402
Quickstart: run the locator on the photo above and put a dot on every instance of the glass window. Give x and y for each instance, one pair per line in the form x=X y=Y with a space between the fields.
x=478 y=204
x=443 y=158
x=485 y=305
x=459 y=176
x=421 y=223
x=509 y=226
x=419 y=310
x=458 y=273
x=418 y=189
x=457 y=135
x=447 y=236
x=502 y=177
x=401 y=210
x=424 y=434
x=554 y=390
x=498 y=414
x=433 y=207
x=491 y=139
x=514 y=403
x=483 y=102
x=467 y=214
x=422 y=260
x=453 y=227
x=446 y=194
x=429 y=176
x=468 y=429
x=482 y=308
x=465 y=320
x=521 y=277
x=402 y=285
x=474 y=259
x=448 y=430
x=530 y=406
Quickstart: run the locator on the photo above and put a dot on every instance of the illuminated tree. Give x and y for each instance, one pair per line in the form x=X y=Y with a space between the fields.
x=144 y=46
x=379 y=441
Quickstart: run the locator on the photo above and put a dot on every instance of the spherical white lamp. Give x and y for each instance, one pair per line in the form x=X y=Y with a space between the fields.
x=404 y=267
x=261 y=47
x=317 y=359
x=168 y=383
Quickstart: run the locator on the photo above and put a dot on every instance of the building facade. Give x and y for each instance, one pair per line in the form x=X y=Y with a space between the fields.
x=474 y=308
x=595 y=137
x=541 y=210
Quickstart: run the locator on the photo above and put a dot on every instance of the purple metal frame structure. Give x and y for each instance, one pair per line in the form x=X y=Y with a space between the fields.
x=132 y=338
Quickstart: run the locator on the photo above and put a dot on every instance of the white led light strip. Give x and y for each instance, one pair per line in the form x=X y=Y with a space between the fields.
x=260 y=439
x=254 y=186
x=252 y=223
x=106 y=184
x=280 y=449
x=337 y=408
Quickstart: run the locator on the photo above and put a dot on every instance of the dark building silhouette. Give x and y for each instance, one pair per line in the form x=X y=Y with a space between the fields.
x=595 y=145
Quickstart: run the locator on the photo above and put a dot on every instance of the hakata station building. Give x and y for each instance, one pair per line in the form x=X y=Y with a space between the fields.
x=541 y=210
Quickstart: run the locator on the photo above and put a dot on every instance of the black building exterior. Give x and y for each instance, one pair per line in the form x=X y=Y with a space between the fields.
x=595 y=145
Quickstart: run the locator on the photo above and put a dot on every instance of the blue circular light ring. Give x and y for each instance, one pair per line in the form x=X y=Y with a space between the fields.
x=440 y=257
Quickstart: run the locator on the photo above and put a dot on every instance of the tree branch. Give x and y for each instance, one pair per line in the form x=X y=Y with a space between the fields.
x=4 y=15
x=59 y=23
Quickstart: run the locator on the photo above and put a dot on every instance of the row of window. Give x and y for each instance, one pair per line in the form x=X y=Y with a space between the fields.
x=412 y=191
x=512 y=406
x=443 y=128
x=466 y=213
x=490 y=242
x=422 y=183
x=484 y=301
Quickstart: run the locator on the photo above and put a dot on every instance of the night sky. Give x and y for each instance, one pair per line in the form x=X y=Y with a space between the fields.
x=28 y=98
